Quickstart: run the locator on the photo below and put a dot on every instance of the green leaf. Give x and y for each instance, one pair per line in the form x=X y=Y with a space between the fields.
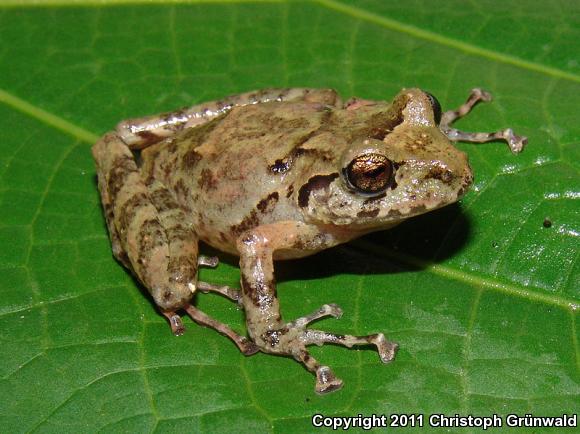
x=481 y=297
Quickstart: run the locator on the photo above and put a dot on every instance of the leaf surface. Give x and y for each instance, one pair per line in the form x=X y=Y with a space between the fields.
x=481 y=296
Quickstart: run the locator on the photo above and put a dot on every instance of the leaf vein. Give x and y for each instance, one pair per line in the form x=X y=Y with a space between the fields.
x=427 y=35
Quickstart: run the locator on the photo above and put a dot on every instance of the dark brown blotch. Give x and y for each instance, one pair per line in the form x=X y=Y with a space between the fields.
x=207 y=180
x=267 y=204
x=151 y=235
x=121 y=168
x=282 y=165
x=190 y=159
x=249 y=222
x=181 y=190
x=368 y=214
x=182 y=269
x=148 y=138
x=179 y=232
x=272 y=337
x=162 y=199
x=261 y=293
x=381 y=124
x=130 y=209
x=443 y=175
x=279 y=166
x=317 y=182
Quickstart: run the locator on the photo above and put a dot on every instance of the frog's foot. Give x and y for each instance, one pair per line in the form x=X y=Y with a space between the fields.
x=293 y=338
x=515 y=143
x=386 y=349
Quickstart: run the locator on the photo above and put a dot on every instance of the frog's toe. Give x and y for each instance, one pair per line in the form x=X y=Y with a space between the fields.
x=326 y=381
x=386 y=349
x=208 y=261
x=226 y=291
x=245 y=345
x=177 y=327
x=325 y=310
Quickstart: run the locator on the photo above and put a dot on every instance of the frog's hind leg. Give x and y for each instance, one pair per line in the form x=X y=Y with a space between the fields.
x=515 y=143
x=183 y=251
x=141 y=132
x=143 y=225
x=152 y=236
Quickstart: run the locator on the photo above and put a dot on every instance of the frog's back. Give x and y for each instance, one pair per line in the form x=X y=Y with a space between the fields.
x=232 y=173
x=245 y=167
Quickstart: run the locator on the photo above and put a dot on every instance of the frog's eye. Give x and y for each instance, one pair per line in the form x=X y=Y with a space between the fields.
x=435 y=106
x=369 y=173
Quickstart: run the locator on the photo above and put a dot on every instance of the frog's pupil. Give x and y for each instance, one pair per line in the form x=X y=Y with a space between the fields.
x=374 y=173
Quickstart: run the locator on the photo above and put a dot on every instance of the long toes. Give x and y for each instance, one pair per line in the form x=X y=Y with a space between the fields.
x=386 y=349
x=326 y=381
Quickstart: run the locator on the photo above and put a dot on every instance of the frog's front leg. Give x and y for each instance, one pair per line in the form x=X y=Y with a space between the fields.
x=270 y=333
x=515 y=143
x=142 y=132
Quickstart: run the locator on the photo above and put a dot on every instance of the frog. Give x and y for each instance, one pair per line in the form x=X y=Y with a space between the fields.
x=273 y=175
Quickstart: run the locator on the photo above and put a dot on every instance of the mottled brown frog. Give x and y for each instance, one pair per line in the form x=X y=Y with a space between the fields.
x=270 y=175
